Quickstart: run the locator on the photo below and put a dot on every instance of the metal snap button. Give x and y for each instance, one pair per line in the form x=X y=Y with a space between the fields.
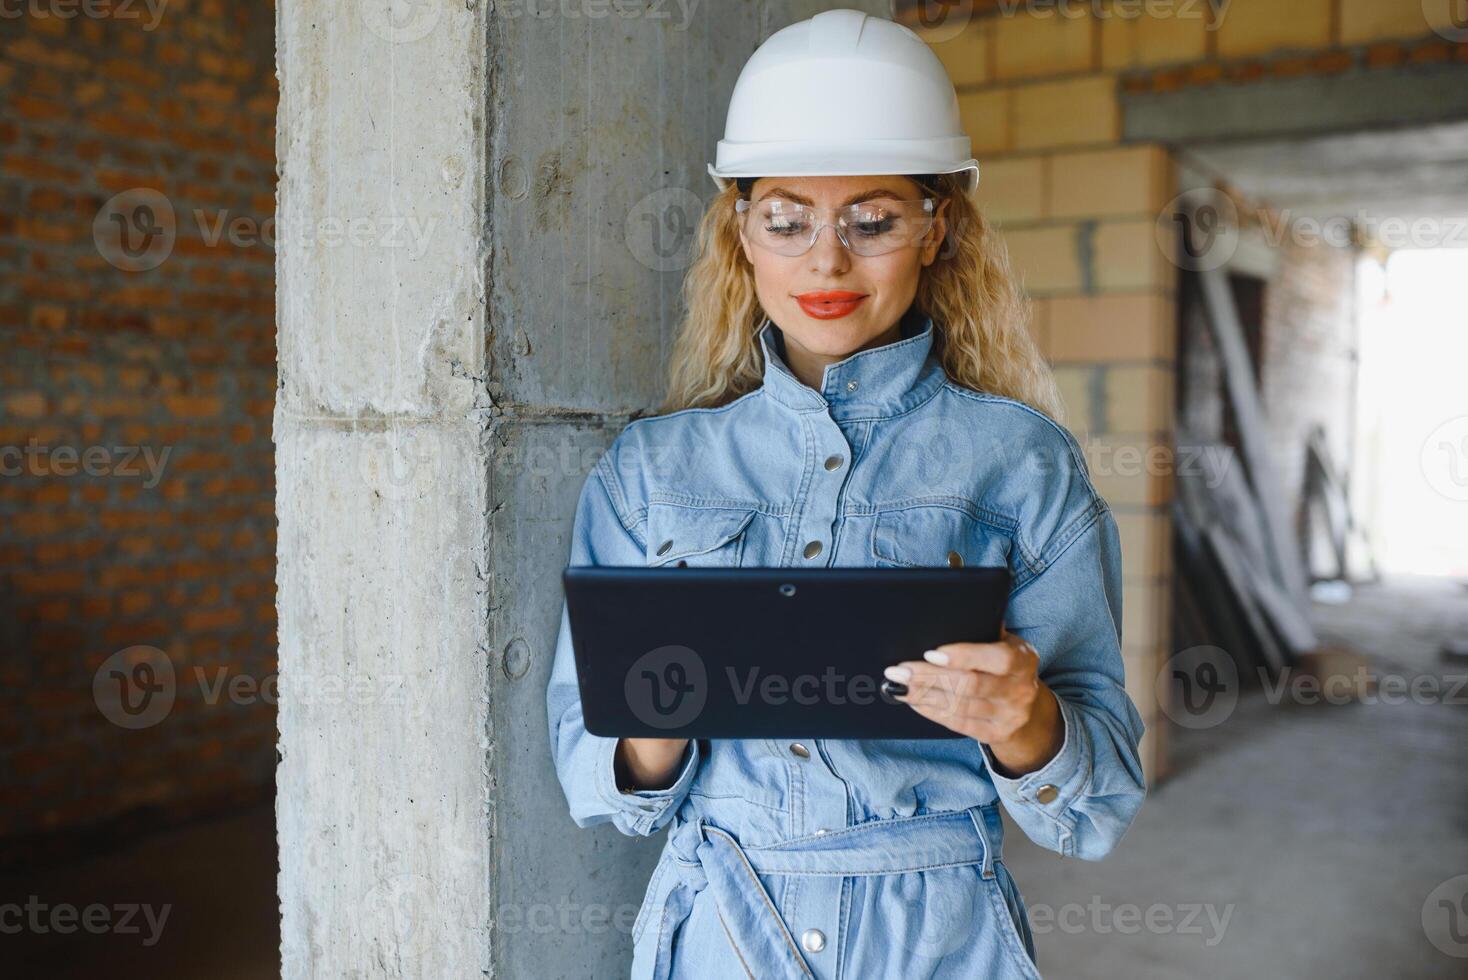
x=813 y=940
x=955 y=560
x=851 y=385
x=663 y=548
x=812 y=548
x=797 y=749
x=834 y=462
x=1047 y=793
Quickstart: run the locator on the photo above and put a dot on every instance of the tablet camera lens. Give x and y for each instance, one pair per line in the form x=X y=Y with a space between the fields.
x=787 y=589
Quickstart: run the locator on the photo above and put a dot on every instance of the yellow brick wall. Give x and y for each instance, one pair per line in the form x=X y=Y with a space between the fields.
x=1141 y=42
x=1252 y=27
x=1364 y=21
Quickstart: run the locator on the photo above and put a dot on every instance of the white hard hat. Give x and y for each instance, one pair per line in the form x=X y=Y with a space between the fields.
x=843 y=93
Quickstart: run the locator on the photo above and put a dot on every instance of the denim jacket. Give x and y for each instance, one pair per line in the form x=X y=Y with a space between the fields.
x=830 y=858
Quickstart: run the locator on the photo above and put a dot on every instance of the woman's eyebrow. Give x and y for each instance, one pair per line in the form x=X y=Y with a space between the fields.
x=853 y=199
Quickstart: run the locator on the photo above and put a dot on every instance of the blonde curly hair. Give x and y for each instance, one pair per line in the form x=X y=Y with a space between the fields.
x=980 y=316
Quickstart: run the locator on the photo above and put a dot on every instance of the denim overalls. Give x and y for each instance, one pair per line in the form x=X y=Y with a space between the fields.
x=829 y=858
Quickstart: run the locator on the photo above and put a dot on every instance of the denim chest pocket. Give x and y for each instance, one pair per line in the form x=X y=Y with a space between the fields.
x=936 y=536
x=696 y=536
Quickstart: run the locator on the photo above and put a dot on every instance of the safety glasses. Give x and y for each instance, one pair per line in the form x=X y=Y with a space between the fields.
x=873 y=227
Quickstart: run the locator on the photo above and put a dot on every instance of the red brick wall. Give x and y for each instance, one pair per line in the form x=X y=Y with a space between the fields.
x=101 y=550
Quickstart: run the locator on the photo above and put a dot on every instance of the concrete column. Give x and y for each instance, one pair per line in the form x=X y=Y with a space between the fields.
x=384 y=789
x=524 y=189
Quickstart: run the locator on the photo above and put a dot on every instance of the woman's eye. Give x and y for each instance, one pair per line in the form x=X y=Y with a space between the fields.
x=785 y=228
x=874 y=226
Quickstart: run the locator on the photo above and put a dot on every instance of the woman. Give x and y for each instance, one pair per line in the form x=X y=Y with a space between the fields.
x=861 y=394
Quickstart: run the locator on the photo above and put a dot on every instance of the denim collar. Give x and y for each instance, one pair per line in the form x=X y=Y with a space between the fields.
x=873 y=383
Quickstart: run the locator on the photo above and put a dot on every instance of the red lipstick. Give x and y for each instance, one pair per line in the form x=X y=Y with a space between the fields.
x=829 y=304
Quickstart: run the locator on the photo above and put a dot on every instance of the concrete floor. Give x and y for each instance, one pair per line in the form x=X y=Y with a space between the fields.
x=1322 y=827
x=1313 y=833
x=214 y=880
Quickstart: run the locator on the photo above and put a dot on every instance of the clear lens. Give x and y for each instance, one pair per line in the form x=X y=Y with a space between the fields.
x=872 y=227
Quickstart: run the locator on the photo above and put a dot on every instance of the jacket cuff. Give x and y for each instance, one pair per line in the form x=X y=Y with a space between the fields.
x=647 y=810
x=1050 y=790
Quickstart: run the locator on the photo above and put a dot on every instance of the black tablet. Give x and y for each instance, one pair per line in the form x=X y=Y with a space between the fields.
x=672 y=652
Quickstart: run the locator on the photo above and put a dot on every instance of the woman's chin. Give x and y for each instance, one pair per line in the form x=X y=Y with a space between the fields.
x=831 y=338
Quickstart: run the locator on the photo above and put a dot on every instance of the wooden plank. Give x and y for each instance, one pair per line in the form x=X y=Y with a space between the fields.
x=1225 y=580
x=1215 y=617
x=1323 y=495
x=1236 y=573
x=1243 y=396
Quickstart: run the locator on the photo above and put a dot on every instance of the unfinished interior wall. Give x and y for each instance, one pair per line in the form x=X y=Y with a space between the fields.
x=1310 y=358
x=1070 y=110
x=1296 y=300
x=603 y=130
x=440 y=407
x=1077 y=211
x=137 y=310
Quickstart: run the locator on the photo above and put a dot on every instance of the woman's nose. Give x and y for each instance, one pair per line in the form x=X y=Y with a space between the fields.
x=828 y=255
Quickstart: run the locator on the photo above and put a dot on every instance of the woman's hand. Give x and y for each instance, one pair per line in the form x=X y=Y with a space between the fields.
x=991 y=692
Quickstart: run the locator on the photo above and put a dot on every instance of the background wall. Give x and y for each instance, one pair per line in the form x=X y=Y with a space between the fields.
x=135 y=502
x=596 y=190
x=1055 y=99
x=1310 y=358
